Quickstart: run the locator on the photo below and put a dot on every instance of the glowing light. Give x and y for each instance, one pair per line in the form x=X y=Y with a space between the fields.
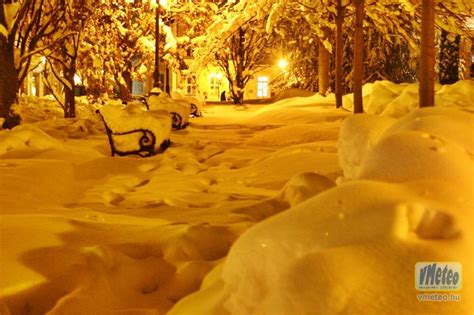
x=470 y=23
x=33 y=91
x=163 y=3
x=219 y=76
x=282 y=63
x=77 y=79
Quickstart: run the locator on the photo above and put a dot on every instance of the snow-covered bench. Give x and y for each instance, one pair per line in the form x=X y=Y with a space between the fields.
x=195 y=105
x=132 y=131
x=179 y=112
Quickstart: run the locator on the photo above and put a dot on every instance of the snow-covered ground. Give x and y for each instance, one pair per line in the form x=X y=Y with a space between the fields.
x=289 y=208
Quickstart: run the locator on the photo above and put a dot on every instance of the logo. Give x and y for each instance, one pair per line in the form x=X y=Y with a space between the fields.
x=438 y=276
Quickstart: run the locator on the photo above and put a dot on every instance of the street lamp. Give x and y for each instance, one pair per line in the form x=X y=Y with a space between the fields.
x=282 y=63
x=156 y=74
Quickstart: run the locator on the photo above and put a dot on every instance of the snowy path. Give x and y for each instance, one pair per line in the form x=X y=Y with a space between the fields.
x=84 y=231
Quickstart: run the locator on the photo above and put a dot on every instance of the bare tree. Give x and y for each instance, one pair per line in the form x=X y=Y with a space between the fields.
x=62 y=57
x=24 y=26
x=243 y=54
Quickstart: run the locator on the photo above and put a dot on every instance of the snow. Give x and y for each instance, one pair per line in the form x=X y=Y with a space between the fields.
x=133 y=117
x=396 y=100
x=179 y=96
x=358 y=134
x=164 y=102
x=352 y=248
x=286 y=208
x=292 y=92
x=10 y=11
x=3 y=31
x=26 y=137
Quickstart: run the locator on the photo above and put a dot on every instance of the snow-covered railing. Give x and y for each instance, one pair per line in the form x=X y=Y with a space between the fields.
x=132 y=131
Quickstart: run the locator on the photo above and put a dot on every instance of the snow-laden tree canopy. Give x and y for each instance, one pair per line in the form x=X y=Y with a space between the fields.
x=392 y=29
x=117 y=46
x=27 y=28
x=186 y=24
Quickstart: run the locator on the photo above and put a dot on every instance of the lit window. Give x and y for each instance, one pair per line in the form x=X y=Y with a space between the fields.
x=191 y=85
x=213 y=81
x=262 y=87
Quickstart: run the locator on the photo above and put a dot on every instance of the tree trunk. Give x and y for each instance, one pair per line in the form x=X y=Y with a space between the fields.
x=167 y=74
x=237 y=91
x=9 y=85
x=323 y=69
x=465 y=54
x=69 y=99
x=339 y=52
x=449 y=58
x=126 y=89
x=123 y=92
x=358 y=56
x=238 y=95
x=427 y=54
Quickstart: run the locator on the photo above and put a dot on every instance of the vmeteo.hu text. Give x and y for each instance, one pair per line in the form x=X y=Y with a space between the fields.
x=438 y=276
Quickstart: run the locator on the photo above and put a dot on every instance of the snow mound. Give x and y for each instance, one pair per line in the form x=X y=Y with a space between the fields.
x=26 y=137
x=150 y=275
x=380 y=96
x=396 y=100
x=324 y=255
x=293 y=92
x=459 y=94
x=38 y=109
x=301 y=102
x=71 y=128
x=352 y=249
x=405 y=102
x=357 y=135
x=303 y=186
x=431 y=143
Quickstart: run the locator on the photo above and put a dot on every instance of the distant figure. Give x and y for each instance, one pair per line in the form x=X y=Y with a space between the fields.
x=223 y=98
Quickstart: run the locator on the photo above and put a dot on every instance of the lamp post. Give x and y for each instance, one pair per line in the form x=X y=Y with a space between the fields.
x=156 y=73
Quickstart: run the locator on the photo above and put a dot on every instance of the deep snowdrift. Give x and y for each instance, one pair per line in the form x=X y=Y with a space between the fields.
x=396 y=100
x=84 y=233
x=353 y=248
